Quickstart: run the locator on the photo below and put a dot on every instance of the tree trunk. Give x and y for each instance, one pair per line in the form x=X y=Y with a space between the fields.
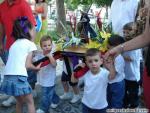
x=60 y=16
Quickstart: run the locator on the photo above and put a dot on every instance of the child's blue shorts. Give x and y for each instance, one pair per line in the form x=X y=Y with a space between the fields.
x=15 y=85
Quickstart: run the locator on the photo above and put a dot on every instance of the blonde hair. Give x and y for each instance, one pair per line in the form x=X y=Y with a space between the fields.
x=45 y=38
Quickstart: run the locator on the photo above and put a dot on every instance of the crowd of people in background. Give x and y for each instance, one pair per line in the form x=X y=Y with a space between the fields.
x=111 y=81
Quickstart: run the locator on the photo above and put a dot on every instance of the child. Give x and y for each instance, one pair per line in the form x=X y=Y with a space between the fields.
x=20 y=56
x=95 y=82
x=47 y=76
x=130 y=30
x=132 y=74
x=116 y=87
x=65 y=79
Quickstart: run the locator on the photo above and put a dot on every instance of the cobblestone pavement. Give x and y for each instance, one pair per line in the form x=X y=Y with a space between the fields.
x=64 y=105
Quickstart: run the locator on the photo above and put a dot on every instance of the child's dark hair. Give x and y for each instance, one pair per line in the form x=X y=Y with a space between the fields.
x=21 y=28
x=37 y=1
x=45 y=38
x=92 y=52
x=115 y=40
x=129 y=26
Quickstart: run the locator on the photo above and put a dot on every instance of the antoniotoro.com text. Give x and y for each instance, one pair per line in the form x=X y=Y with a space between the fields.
x=136 y=110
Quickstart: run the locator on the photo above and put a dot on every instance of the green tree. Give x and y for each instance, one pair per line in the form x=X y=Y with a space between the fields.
x=72 y=4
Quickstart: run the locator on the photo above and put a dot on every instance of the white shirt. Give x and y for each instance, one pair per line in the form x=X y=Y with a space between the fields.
x=47 y=76
x=94 y=95
x=122 y=12
x=17 y=57
x=132 y=69
x=119 y=67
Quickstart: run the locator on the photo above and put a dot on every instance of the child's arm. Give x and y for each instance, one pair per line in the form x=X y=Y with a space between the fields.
x=109 y=64
x=52 y=60
x=82 y=65
x=73 y=79
x=29 y=62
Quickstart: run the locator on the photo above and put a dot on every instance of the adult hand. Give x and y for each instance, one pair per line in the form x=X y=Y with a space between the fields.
x=113 y=52
x=143 y=12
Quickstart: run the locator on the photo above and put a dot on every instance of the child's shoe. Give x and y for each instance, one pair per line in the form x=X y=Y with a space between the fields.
x=3 y=96
x=54 y=105
x=10 y=101
x=40 y=111
x=65 y=96
x=75 y=99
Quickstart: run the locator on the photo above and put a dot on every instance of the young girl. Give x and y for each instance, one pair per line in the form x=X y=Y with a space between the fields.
x=47 y=76
x=20 y=57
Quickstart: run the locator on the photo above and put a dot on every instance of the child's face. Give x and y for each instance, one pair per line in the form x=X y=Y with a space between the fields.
x=46 y=46
x=94 y=63
x=126 y=33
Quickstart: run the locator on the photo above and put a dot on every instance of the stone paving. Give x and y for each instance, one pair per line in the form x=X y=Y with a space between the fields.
x=64 y=105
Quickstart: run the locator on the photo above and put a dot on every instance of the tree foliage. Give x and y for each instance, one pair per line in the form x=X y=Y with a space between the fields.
x=72 y=4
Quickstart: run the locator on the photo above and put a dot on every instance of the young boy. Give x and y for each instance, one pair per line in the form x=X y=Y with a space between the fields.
x=95 y=82
x=65 y=79
x=132 y=72
x=47 y=76
x=116 y=87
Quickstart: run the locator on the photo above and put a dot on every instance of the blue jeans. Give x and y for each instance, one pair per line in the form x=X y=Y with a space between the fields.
x=115 y=94
x=86 y=109
x=48 y=96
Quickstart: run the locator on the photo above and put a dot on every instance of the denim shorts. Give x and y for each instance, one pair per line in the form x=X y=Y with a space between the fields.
x=15 y=85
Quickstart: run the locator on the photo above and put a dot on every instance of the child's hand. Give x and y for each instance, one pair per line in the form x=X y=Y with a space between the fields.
x=108 y=63
x=51 y=59
x=38 y=67
x=80 y=65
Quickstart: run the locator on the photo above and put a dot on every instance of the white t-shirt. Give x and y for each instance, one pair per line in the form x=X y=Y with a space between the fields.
x=17 y=57
x=94 y=95
x=122 y=12
x=132 y=69
x=119 y=67
x=47 y=74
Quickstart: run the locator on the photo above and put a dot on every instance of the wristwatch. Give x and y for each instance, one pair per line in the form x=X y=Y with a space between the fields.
x=122 y=48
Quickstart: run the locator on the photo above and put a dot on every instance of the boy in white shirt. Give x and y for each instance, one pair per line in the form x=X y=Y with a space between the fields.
x=132 y=73
x=47 y=76
x=116 y=87
x=95 y=82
